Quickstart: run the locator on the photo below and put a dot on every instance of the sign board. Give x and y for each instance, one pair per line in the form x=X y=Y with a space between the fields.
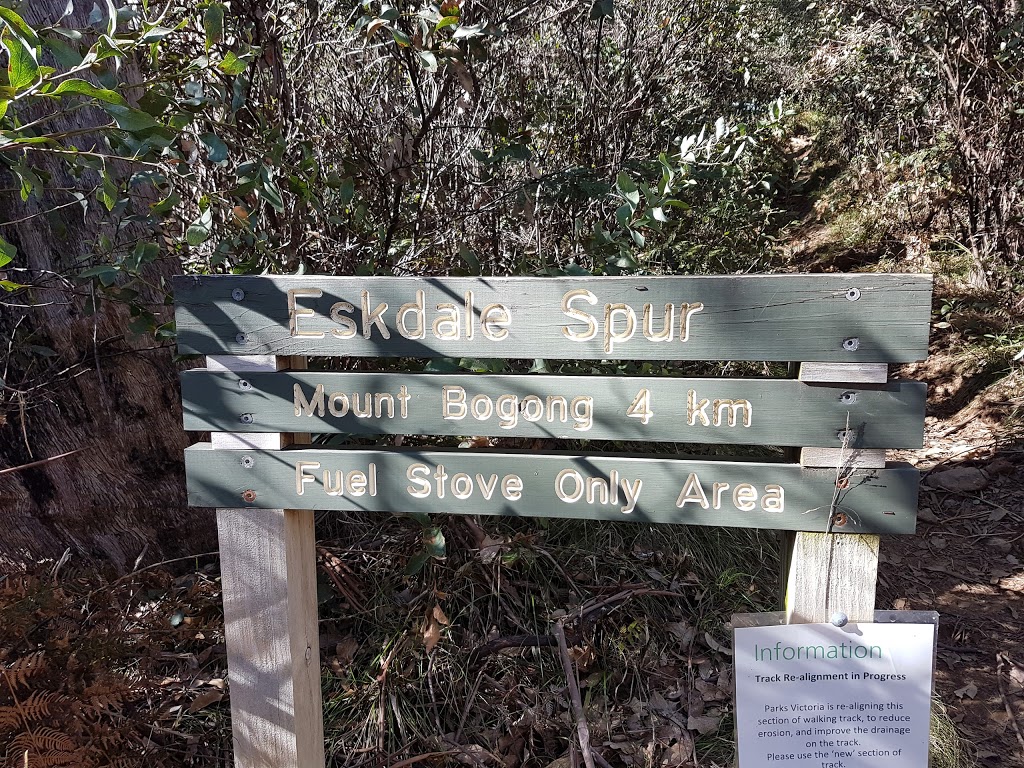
x=826 y=318
x=609 y=487
x=738 y=411
x=821 y=696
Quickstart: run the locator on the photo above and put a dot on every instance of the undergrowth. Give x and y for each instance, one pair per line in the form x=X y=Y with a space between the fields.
x=448 y=659
x=99 y=672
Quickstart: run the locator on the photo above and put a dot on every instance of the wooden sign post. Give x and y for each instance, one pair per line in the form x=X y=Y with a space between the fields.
x=260 y=403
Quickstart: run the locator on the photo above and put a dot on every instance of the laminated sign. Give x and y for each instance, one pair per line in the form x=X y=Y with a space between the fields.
x=822 y=696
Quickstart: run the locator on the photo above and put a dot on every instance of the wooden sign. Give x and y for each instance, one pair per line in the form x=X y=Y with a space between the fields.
x=619 y=487
x=828 y=318
x=737 y=411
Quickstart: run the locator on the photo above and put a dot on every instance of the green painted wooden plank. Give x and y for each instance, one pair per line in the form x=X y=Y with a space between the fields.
x=695 y=410
x=829 y=318
x=643 y=489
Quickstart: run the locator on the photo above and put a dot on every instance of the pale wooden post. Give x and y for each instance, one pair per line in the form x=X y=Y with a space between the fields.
x=832 y=573
x=268 y=578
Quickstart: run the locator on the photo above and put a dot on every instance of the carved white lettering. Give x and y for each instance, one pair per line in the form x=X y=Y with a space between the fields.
x=301 y=478
x=376 y=317
x=348 y=325
x=417 y=310
x=462 y=485
x=295 y=311
x=571 y=486
x=745 y=497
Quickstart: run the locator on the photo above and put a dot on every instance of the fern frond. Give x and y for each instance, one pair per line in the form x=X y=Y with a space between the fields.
x=20 y=670
x=43 y=740
x=39 y=703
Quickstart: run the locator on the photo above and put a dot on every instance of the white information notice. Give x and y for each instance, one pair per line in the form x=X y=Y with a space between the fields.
x=820 y=696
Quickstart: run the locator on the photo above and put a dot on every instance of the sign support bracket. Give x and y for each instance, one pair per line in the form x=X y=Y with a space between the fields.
x=828 y=574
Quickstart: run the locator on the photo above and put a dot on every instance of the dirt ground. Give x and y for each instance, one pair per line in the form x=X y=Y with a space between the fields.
x=965 y=563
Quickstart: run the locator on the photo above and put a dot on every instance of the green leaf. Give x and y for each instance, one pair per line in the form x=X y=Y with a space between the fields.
x=416 y=563
x=66 y=55
x=447 y=21
x=433 y=542
x=272 y=195
x=10 y=287
x=388 y=12
x=216 y=149
x=22 y=69
x=234 y=65
x=131 y=120
x=468 y=31
x=442 y=365
x=428 y=60
x=347 y=190
x=627 y=189
x=85 y=88
x=107 y=192
x=20 y=27
x=199 y=231
x=213 y=24
x=7 y=252
x=156 y=34
x=106 y=273
x=401 y=38
x=166 y=205
x=602 y=8
x=467 y=255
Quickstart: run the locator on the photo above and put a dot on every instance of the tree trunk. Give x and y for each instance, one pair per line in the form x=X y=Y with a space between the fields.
x=85 y=383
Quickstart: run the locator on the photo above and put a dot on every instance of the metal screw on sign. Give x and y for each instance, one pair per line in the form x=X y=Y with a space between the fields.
x=241 y=338
x=846 y=434
x=244 y=385
x=851 y=344
x=238 y=294
x=248 y=462
x=848 y=398
x=842 y=483
x=853 y=294
x=838 y=521
x=246 y=418
x=249 y=495
x=839 y=619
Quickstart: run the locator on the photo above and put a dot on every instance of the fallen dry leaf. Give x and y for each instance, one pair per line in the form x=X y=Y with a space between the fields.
x=703 y=723
x=969 y=691
x=432 y=628
x=205 y=699
x=959 y=479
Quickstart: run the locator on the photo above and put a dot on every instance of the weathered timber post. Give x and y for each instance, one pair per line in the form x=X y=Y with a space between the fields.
x=268 y=578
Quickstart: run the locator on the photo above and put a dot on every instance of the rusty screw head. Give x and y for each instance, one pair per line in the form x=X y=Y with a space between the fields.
x=838 y=521
x=842 y=483
x=249 y=496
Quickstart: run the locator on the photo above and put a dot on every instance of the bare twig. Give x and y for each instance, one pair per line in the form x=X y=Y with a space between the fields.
x=582 y=729
x=1001 y=661
x=32 y=464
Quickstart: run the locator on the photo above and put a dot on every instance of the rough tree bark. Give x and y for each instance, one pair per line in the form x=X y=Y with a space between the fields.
x=111 y=395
